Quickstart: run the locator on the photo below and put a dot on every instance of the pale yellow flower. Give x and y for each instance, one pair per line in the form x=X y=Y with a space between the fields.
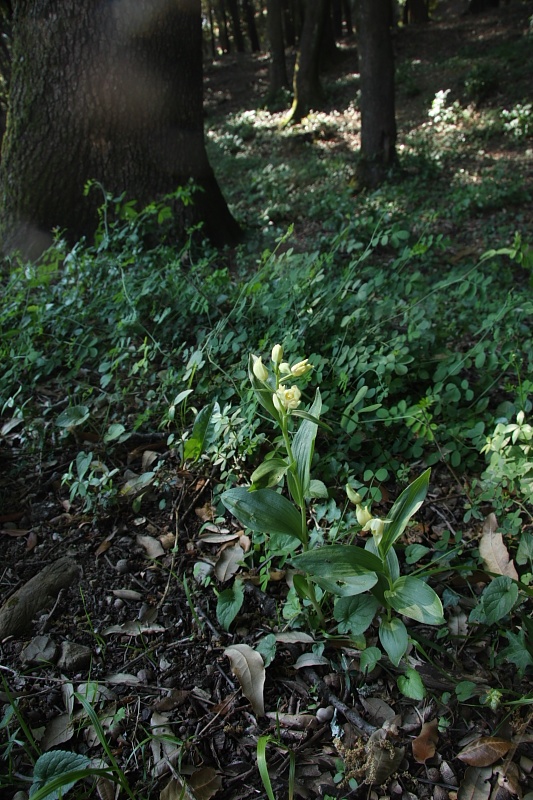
x=376 y=528
x=353 y=496
x=289 y=398
x=363 y=515
x=259 y=369
x=285 y=368
x=277 y=353
x=301 y=368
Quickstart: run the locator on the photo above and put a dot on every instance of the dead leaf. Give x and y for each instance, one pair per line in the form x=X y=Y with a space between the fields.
x=162 y=742
x=31 y=541
x=383 y=759
x=485 y=751
x=476 y=784
x=134 y=627
x=249 y=668
x=153 y=547
x=123 y=678
x=425 y=744
x=229 y=562
x=206 y=513
x=59 y=730
x=378 y=710
x=205 y=782
x=176 y=789
x=493 y=551
x=127 y=594
x=299 y=721
x=509 y=778
x=457 y=623
x=311 y=660
x=294 y=637
x=217 y=538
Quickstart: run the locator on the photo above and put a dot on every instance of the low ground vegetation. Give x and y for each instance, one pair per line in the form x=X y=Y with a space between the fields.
x=321 y=640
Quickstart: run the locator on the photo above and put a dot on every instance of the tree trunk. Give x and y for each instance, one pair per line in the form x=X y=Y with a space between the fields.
x=307 y=89
x=376 y=67
x=249 y=15
x=277 y=66
x=111 y=92
x=236 y=25
x=416 y=11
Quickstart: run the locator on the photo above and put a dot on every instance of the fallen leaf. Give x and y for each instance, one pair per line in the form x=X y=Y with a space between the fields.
x=249 y=668
x=299 y=721
x=133 y=628
x=476 y=784
x=123 y=678
x=217 y=538
x=425 y=744
x=162 y=743
x=176 y=789
x=60 y=729
x=206 y=513
x=311 y=660
x=31 y=541
x=493 y=551
x=383 y=759
x=205 y=782
x=229 y=562
x=153 y=547
x=127 y=594
x=485 y=751
x=294 y=637
x=509 y=778
x=167 y=540
x=377 y=709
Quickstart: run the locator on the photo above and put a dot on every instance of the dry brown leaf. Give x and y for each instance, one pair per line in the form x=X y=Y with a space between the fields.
x=425 y=744
x=229 y=562
x=249 y=668
x=134 y=627
x=493 y=551
x=205 y=782
x=59 y=730
x=509 y=778
x=383 y=759
x=127 y=594
x=176 y=789
x=299 y=721
x=485 y=751
x=164 y=750
x=377 y=709
x=206 y=513
x=476 y=784
x=153 y=547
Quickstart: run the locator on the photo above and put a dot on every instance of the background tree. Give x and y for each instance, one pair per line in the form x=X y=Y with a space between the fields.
x=376 y=68
x=278 y=78
x=306 y=84
x=104 y=91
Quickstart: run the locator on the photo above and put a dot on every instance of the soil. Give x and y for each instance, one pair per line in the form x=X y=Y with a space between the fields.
x=148 y=631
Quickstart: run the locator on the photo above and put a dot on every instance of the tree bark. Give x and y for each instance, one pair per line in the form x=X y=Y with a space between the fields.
x=307 y=88
x=277 y=67
x=376 y=67
x=112 y=92
x=249 y=15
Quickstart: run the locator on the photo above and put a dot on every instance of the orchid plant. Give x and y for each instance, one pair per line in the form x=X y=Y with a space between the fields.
x=364 y=581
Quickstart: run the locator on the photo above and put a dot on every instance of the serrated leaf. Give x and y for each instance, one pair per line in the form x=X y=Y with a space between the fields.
x=355 y=614
x=229 y=603
x=394 y=638
x=493 y=551
x=265 y=511
x=54 y=765
x=517 y=651
x=485 y=751
x=425 y=744
x=411 y=684
x=415 y=599
x=248 y=667
x=497 y=600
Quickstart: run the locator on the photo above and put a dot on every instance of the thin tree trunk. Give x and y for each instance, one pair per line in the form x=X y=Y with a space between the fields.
x=307 y=89
x=376 y=67
x=277 y=66
x=249 y=15
x=106 y=96
x=236 y=25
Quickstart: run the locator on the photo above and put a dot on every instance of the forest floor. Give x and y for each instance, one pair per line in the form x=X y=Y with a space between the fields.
x=125 y=624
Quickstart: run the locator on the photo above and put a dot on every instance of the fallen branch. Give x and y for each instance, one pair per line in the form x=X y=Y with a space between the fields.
x=362 y=727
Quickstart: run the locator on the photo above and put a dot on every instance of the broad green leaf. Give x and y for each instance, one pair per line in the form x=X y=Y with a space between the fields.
x=338 y=562
x=394 y=638
x=391 y=559
x=114 y=431
x=229 y=603
x=269 y=473
x=524 y=554
x=70 y=417
x=465 y=690
x=355 y=614
x=415 y=599
x=318 y=489
x=497 y=600
x=264 y=510
x=266 y=647
x=303 y=444
x=415 y=552
x=369 y=658
x=349 y=586
x=53 y=765
x=194 y=446
x=411 y=684
x=403 y=509
x=315 y=420
x=517 y=651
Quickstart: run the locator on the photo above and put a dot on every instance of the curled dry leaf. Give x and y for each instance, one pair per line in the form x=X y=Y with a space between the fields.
x=425 y=744
x=229 y=562
x=493 y=550
x=205 y=782
x=509 y=778
x=249 y=668
x=485 y=751
x=476 y=784
x=153 y=547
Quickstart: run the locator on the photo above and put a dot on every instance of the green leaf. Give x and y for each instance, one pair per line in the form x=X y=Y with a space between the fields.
x=338 y=561
x=524 y=554
x=264 y=510
x=266 y=647
x=415 y=599
x=369 y=658
x=315 y=420
x=394 y=638
x=303 y=444
x=114 y=431
x=318 y=489
x=517 y=651
x=53 y=765
x=355 y=614
x=70 y=417
x=411 y=684
x=465 y=690
x=194 y=446
x=262 y=390
x=403 y=509
x=497 y=600
x=229 y=603
x=269 y=473
x=414 y=552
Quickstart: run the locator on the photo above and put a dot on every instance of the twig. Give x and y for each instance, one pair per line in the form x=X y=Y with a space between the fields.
x=362 y=727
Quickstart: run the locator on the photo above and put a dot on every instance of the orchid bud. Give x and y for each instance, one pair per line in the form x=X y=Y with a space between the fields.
x=363 y=516
x=353 y=497
x=259 y=369
x=285 y=368
x=301 y=368
x=277 y=353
